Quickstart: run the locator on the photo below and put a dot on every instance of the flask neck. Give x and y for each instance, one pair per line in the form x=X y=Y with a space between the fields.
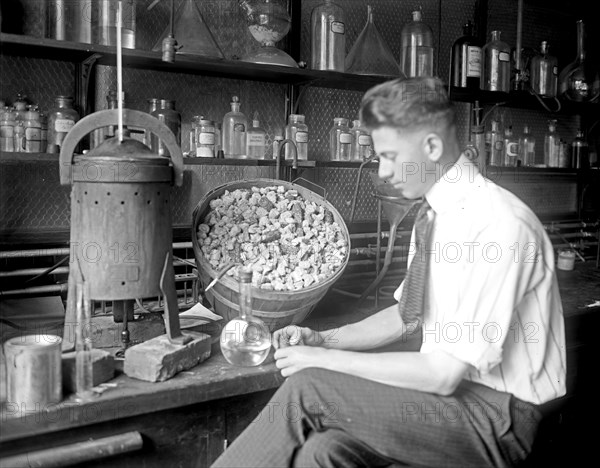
x=496 y=35
x=245 y=290
x=580 y=40
x=235 y=107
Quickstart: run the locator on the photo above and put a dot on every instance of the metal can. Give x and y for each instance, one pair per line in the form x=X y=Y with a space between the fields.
x=34 y=374
x=205 y=142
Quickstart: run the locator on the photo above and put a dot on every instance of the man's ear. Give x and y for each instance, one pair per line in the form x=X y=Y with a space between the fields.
x=433 y=146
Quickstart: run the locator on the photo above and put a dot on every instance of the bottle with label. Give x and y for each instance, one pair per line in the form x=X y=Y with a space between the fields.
x=416 y=41
x=465 y=66
x=580 y=152
x=361 y=142
x=276 y=146
x=218 y=137
x=61 y=120
x=495 y=65
x=205 y=142
x=543 y=72
x=235 y=124
x=194 y=134
x=328 y=37
x=33 y=131
x=551 y=145
x=20 y=106
x=511 y=148
x=245 y=340
x=340 y=140
x=172 y=119
x=527 y=148
x=256 y=139
x=495 y=145
x=564 y=154
x=7 y=129
x=297 y=131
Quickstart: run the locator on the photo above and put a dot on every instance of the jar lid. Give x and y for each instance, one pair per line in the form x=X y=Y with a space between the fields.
x=340 y=120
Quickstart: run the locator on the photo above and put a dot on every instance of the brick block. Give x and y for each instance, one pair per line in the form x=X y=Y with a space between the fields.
x=103 y=365
x=158 y=359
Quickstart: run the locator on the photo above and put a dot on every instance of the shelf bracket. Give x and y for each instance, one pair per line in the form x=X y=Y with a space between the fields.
x=83 y=72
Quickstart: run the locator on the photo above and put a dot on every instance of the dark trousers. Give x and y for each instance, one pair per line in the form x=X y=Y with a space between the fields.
x=321 y=418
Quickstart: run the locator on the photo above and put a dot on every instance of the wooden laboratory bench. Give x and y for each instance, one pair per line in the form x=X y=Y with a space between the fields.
x=188 y=420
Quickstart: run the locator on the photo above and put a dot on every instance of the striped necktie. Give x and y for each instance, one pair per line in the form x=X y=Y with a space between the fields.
x=412 y=301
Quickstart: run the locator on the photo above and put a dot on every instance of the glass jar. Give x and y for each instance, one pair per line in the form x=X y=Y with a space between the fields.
x=495 y=65
x=194 y=133
x=70 y=20
x=340 y=140
x=33 y=131
x=205 y=143
x=527 y=148
x=416 y=47
x=172 y=119
x=297 y=131
x=543 y=72
x=7 y=129
x=61 y=120
x=361 y=142
x=328 y=37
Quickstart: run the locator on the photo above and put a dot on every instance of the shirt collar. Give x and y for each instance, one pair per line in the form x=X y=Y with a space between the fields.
x=455 y=186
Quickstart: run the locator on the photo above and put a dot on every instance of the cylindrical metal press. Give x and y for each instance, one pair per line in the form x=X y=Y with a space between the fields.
x=121 y=230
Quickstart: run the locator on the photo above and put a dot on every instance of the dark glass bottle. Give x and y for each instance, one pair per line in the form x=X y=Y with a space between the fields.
x=465 y=67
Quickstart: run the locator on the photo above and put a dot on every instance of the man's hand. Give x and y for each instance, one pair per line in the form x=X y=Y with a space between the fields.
x=292 y=359
x=292 y=335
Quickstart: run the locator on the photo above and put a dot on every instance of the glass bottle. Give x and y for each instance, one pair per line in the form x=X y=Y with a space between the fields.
x=256 y=139
x=172 y=119
x=495 y=145
x=511 y=148
x=61 y=120
x=297 y=131
x=194 y=135
x=149 y=139
x=205 y=143
x=495 y=65
x=43 y=132
x=465 y=66
x=416 y=48
x=235 y=125
x=361 y=142
x=478 y=138
x=527 y=148
x=340 y=140
x=218 y=137
x=543 y=72
x=580 y=152
x=579 y=81
x=245 y=340
x=7 y=129
x=33 y=131
x=551 y=145
x=564 y=154
x=276 y=145
x=328 y=37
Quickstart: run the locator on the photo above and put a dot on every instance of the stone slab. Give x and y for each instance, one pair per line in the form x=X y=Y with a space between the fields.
x=103 y=365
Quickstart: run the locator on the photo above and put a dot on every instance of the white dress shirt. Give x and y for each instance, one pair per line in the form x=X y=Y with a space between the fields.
x=492 y=297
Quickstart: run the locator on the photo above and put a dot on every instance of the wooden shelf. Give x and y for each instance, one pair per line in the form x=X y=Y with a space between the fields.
x=29 y=46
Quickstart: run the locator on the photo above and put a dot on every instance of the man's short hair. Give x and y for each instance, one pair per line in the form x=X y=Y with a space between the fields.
x=407 y=104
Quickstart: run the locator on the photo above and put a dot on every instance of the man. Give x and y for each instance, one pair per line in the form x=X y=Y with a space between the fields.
x=493 y=345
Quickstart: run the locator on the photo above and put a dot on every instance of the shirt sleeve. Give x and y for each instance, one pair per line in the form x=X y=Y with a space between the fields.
x=493 y=280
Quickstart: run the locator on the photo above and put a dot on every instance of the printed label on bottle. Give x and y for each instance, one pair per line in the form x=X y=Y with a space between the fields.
x=63 y=125
x=239 y=127
x=503 y=56
x=345 y=138
x=512 y=148
x=364 y=140
x=7 y=131
x=256 y=139
x=206 y=139
x=338 y=27
x=301 y=137
x=33 y=133
x=473 y=61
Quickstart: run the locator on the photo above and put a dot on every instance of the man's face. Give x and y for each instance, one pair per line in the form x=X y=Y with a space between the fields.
x=404 y=161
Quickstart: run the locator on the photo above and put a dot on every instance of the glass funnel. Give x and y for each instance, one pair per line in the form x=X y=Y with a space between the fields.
x=268 y=22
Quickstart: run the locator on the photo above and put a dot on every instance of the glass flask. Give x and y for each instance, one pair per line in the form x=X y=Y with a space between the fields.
x=268 y=22
x=417 y=48
x=328 y=37
x=256 y=139
x=235 y=125
x=579 y=81
x=580 y=158
x=61 y=120
x=527 y=148
x=551 y=145
x=543 y=72
x=465 y=66
x=104 y=27
x=340 y=140
x=370 y=54
x=511 y=148
x=297 y=131
x=167 y=114
x=245 y=340
x=495 y=65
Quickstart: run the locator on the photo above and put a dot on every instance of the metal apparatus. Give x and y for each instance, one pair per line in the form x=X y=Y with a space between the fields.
x=121 y=230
